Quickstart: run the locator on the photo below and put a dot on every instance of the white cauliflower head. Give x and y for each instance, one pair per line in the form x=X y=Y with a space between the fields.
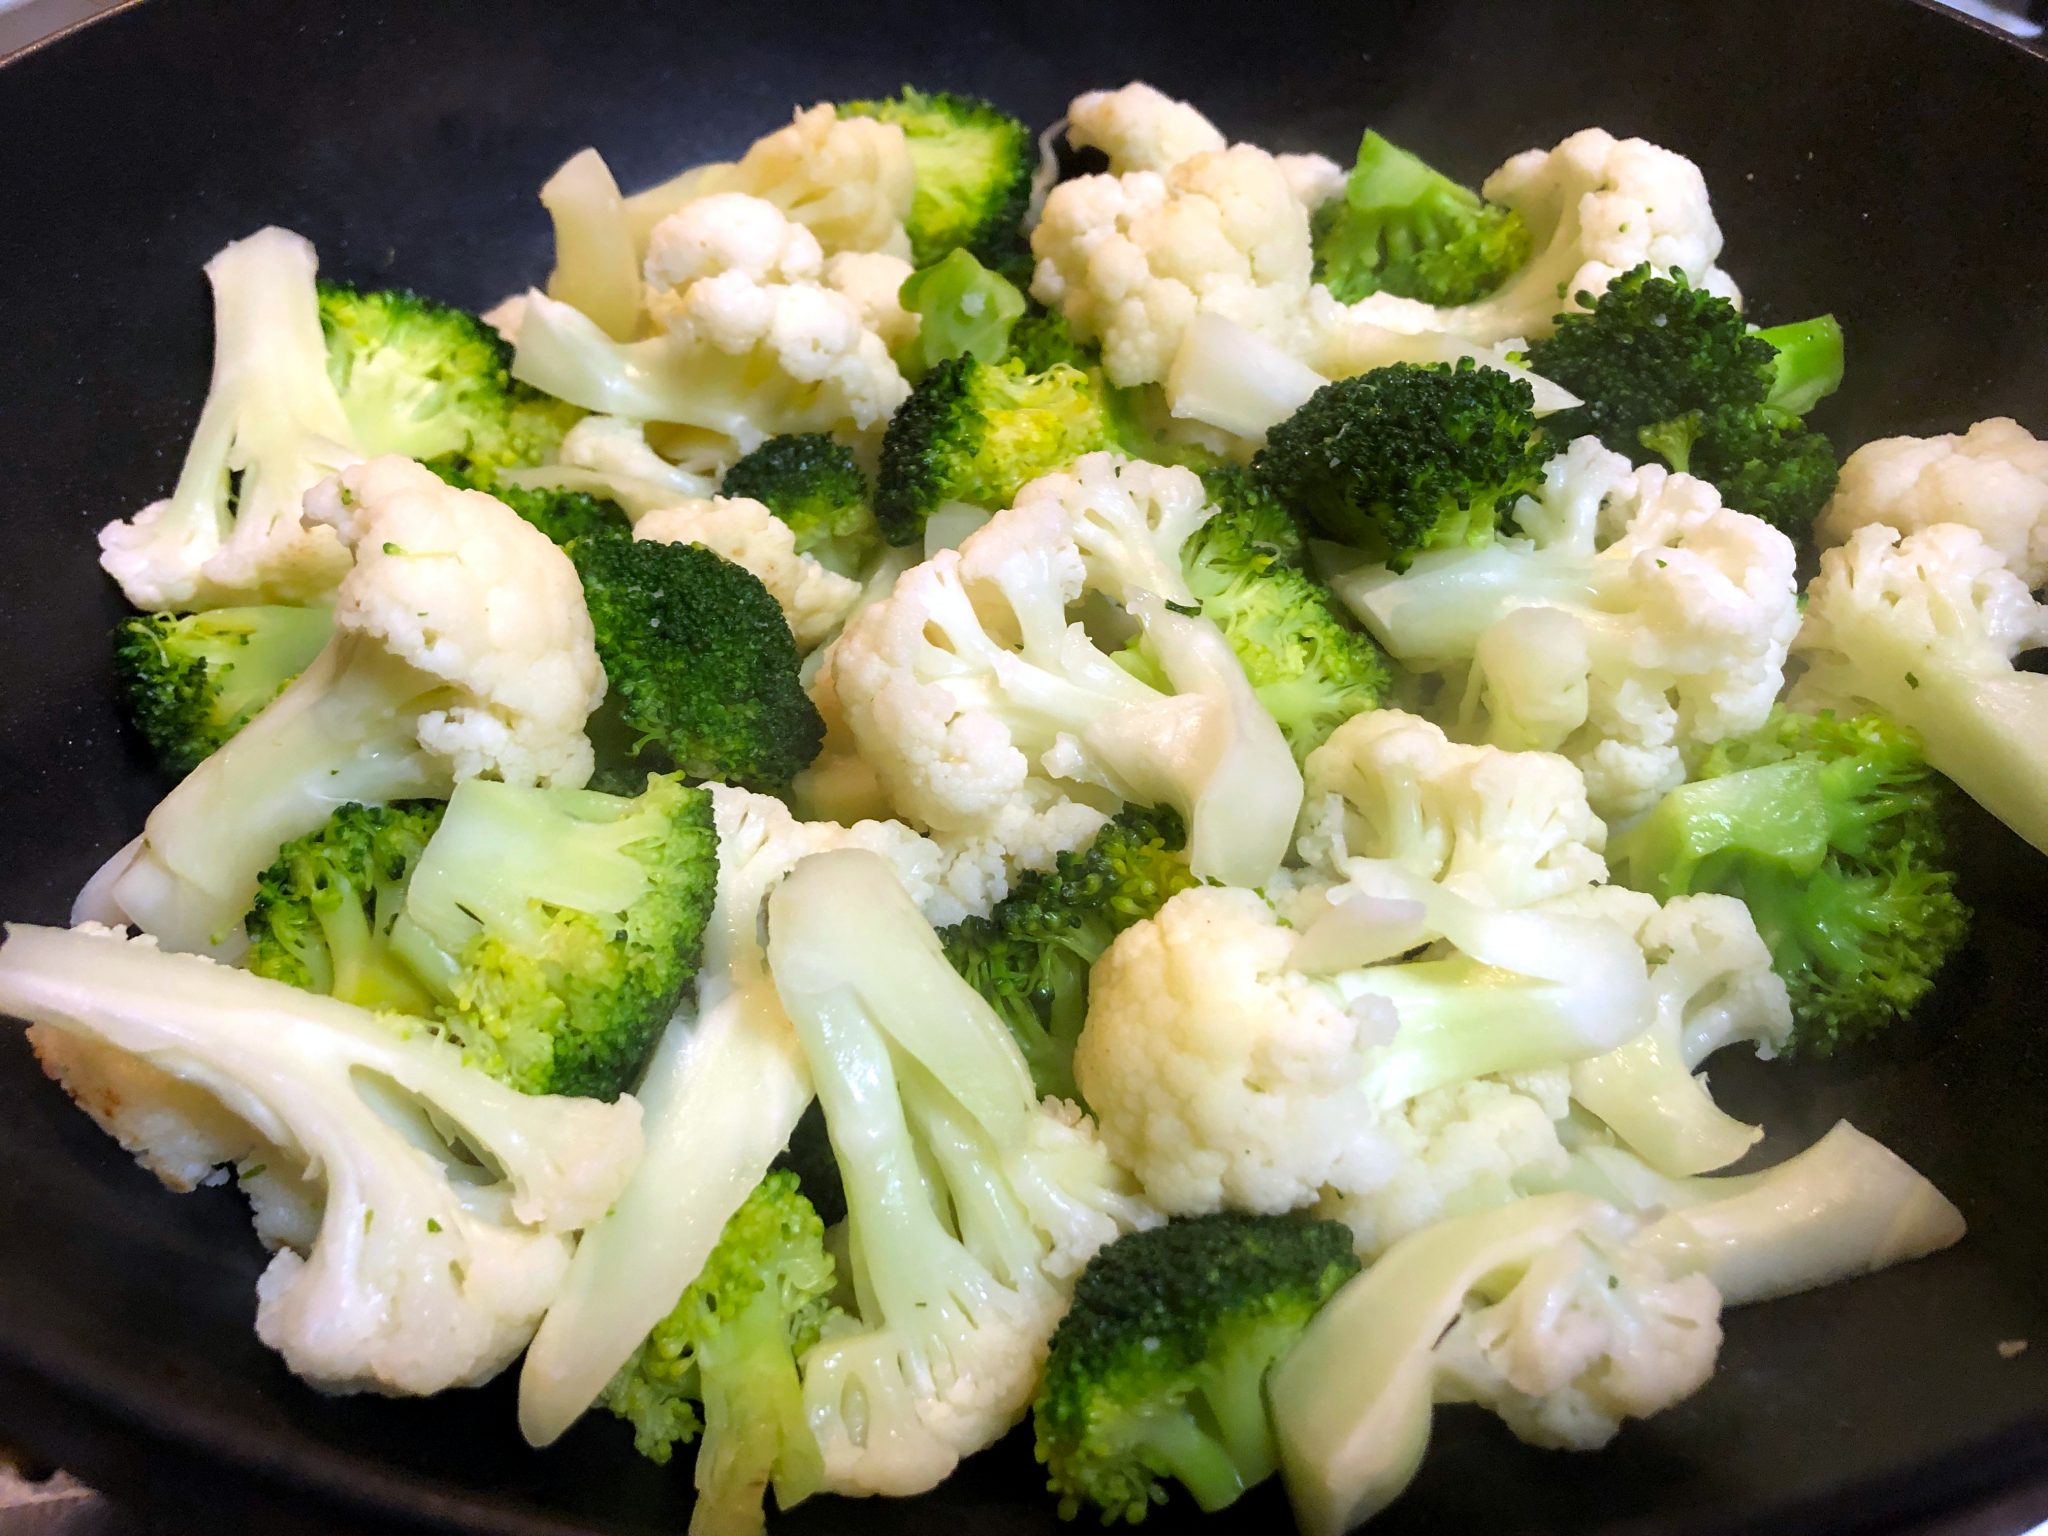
x=848 y=180
x=1924 y=628
x=1593 y=1332
x=457 y=585
x=1140 y=128
x=1458 y=1149
x=814 y=600
x=1131 y=260
x=1623 y=658
x=754 y=340
x=986 y=711
x=873 y=282
x=1993 y=478
x=1503 y=828
x=416 y=1279
x=1221 y=1078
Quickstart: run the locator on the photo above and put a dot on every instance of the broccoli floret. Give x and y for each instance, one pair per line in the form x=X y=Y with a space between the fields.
x=815 y=485
x=1256 y=515
x=963 y=310
x=1030 y=957
x=1830 y=830
x=1158 y=1369
x=699 y=660
x=190 y=683
x=1042 y=337
x=973 y=166
x=1407 y=458
x=563 y=515
x=974 y=432
x=724 y=1363
x=1670 y=371
x=433 y=383
x=1404 y=228
x=549 y=932
x=1309 y=665
x=323 y=913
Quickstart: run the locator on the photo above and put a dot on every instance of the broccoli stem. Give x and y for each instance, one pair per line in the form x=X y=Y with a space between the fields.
x=1175 y=1445
x=1808 y=367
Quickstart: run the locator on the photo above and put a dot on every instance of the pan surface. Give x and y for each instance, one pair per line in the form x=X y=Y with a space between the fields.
x=1866 y=156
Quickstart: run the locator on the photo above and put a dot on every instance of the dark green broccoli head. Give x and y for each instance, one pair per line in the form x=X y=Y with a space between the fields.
x=1670 y=370
x=1309 y=665
x=1831 y=831
x=1157 y=1370
x=1042 y=337
x=191 y=681
x=975 y=432
x=1030 y=957
x=701 y=666
x=324 y=910
x=963 y=310
x=1401 y=227
x=556 y=928
x=564 y=515
x=816 y=486
x=972 y=164
x=724 y=1361
x=1413 y=457
x=433 y=383
x=1649 y=349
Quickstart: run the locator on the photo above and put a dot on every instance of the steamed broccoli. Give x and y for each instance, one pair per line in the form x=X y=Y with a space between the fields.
x=1403 y=228
x=815 y=485
x=1158 y=1369
x=547 y=931
x=1030 y=956
x=1830 y=830
x=973 y=168
x=963 y=310
x=723 y=1364
x=563 y=515
x=700 y=661
x=1671 y=371
x=323 y=913
x=1407 y=458
x=190 y=683
x=1309 y=665
x=974 y=432
x=1042 y=337
x=433 y=383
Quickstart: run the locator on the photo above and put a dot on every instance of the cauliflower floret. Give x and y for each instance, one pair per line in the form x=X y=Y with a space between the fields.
x=1714 y=985
x=814 y=600
x=754 y=341
x=988 y=715
x=436 y=1250
x=1993 y=478
x=1131 y=260
x=272 y=427
x=1623 y=658
x=1502 y=828
x=1594 y=1332
x=1458 y=1149
x=874 y=283
x=1221 y=1078
x=1314 y=179
x=1924 y=628
x=450 y=582
x=848 y=180
x=1140 y=128
x=610 y=456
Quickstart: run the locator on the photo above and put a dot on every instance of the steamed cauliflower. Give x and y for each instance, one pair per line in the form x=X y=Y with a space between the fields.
x=848 y=180
x=814 y=600
x=1503 y=828
x=1993 y=478
x=1140 y=128
x=1131 y=260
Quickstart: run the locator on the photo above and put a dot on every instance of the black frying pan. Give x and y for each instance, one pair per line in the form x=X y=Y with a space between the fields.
x=1868 y=156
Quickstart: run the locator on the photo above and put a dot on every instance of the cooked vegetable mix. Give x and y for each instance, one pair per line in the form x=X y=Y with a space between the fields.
x=1323 y=741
